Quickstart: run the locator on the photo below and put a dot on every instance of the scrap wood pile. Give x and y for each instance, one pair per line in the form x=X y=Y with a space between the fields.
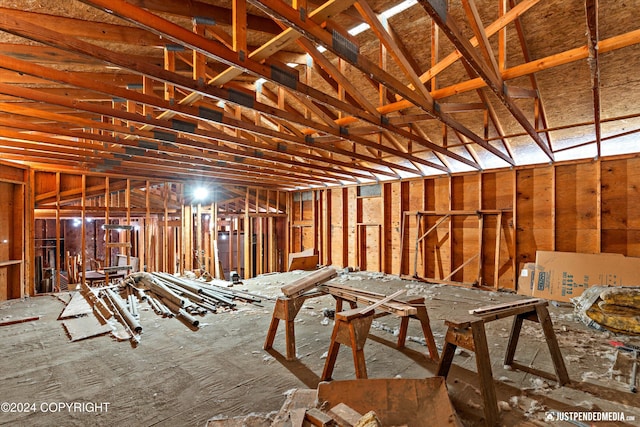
x=616 y=309
x=117 y=307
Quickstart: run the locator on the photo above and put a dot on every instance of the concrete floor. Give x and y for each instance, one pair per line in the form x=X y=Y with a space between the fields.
x=178 y=377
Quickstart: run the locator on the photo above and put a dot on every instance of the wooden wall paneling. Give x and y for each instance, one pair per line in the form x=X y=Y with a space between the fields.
x=497 y=235
x=533 y=209
x=83 y=241
x=599 y=205
x=107 y=206
x=370 y=221
x=239 y=245
x=316 y=219
x=351 y=212
x=465 y=230
x=165 y=229
x=247 y=238
x=361 y=252
x=187 y=238
x=29 y=224
x=6 y=237
x=415 y=225
x=59 y=256
x=337 y=227
x=576 y=208
x=437 y=242
x=214 y=267
x=308 y=230
x=621 y=206
x=199 y=236
x=327 y=248
x=387 y=250
x=70 y=182
x=14 y=173
x=232 y=233
x=4 y=283
x=404 y=228
x=44 y=182
x=128 y=233
x=144 y=253
x=553 y=207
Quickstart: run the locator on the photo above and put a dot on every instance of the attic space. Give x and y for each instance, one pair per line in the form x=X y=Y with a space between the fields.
x=305 y=213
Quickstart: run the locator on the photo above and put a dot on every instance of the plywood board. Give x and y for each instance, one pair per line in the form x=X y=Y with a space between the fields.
x=397 y=401
x=465 y=192
x=78 y=306
x=534 y=207
x=351 y=228
x=577 y=208
x=85 y=327
x=621 y=206
x=497 y=190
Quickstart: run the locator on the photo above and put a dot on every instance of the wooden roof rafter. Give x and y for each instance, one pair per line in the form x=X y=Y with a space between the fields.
x=149 y=136
x=486 y=68
x=320 y=36
x=593 y=37
x=221 y=53
x=190 y=112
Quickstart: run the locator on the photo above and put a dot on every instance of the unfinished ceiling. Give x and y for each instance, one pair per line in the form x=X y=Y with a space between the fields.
x=304 y=94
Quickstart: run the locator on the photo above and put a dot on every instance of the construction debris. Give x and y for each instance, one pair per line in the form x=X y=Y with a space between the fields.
x=384 y=402
x=117 y=307
x=616 y=309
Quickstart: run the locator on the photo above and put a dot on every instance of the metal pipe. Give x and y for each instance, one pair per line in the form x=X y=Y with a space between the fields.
x=189 y=318
x=122 y=310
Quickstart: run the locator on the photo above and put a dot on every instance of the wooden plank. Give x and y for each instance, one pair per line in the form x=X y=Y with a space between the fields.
x=308 y=282
x=78 y=306
x=85 y=327
x=344 y=415
x=480 y=311
x=21 y=320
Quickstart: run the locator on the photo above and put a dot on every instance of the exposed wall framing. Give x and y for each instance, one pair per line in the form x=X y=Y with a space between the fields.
x=475 y=228
x=14 y=197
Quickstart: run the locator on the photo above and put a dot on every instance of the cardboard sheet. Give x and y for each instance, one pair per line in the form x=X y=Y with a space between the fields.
x=560 y=276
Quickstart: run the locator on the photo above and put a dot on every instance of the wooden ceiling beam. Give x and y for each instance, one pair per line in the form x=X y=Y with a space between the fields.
x=163 y=149
x=483 y=41
x=32 y=31
x=219 y=52
x=144 y=158
x=593 y=37
x=335 y=74
x=392 y=48
x=90 y=29
x=118 y=165
x=488 y=74
x=317 y=34
x=541 y=119
x=268 y=49
x=188 y=155
x=220 y=15
x=189 y=111
x=490 y=30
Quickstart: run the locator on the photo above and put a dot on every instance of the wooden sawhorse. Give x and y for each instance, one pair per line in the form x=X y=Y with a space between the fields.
x=352 y=328
x=287 y=309
x=416 y=309
x=468 y=332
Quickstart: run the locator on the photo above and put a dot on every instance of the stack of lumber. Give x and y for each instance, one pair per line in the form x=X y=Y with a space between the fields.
x=365 y=297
